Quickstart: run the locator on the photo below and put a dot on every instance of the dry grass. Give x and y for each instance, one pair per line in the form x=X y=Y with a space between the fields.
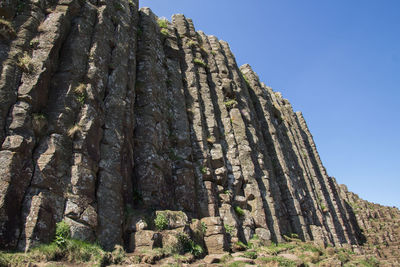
x=25 y=63
x=73 y=130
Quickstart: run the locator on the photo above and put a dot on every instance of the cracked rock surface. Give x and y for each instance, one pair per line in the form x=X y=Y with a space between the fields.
x=108 y=114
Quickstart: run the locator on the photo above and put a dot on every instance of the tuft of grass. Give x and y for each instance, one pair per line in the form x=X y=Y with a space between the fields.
x=211 y=140
x=80 y=92
x=213 y=53
x=71 y=250
x=203 y=227
x=185 y=245
x=39 y=116
x=239 y=211
x=230 y=103
x=162 y=23
x=280 y=260
x=6 y=29
x=73 y=130
x=161 y=222
x=200 y=62
x=165 y=32
x=228 y=229
x=25 y=63
x=250 y=254
x=192 y=44
x=203 y=169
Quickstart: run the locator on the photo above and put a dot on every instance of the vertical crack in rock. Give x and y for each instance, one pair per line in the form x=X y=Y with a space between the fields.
x=117 y=29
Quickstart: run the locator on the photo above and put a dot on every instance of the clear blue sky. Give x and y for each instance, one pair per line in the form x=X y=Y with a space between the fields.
x=337 y=61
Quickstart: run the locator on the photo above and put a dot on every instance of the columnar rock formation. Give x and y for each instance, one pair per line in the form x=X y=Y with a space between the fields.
x=107 y=113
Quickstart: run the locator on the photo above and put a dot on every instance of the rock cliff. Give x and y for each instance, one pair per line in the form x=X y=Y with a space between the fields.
x=108 y=114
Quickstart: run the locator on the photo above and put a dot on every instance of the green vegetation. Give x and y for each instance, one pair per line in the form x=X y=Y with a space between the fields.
x=370 y=262
x=250 y=254
x=25 y=63
x=34 y=43
x=230 y=103
x=203 y=227
x=200 y=62
x=192 y=44
x=281 y=261
x=241 y=246
x=185 y=245
x=38 y=116
x=203 y=169
x=162 y=23
x=165 y=32
x=80 y=92
x=63 y=248
x=239 y=211
x=229 y=229
x=161 y=222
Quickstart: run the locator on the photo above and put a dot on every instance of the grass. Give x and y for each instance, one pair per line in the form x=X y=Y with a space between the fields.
x=203 y=169
x=192 y=44
x=165 y=32
x=280 y=260
x=162 y=23
x=6 y=29
x=73 y=130
x=239 y=211
x=80 y=92
x=187 y=245
x=228 y=229
x=211 y=140
x=200 y=62
x=161 y=222
x=63 y=248
x=25 y=63
x=231 y=103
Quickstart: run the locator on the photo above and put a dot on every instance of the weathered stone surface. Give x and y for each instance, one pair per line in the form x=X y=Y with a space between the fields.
x=176 y=219
x=116 y=114
x=145 y=239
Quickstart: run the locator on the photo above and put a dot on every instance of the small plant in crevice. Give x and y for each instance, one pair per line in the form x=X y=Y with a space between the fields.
x=25 y=63
x=6 y=29
x=203 y=227
x=34 y=43
x=200 y=62
x=80 y=92
x=229 y=229
x=211 y=140
x=203 y=169
x=161 y=222
x=192 y=43
x=239 y=211
x=185 y=245
x=162 y=23
x=230 y=103
x=164 y=32
x=203 y=51
x=213 y=53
